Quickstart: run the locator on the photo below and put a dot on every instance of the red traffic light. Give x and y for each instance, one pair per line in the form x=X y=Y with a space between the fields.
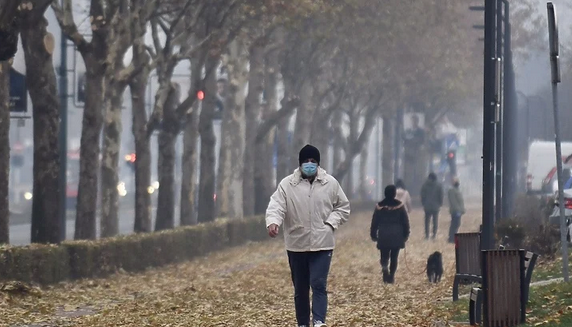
x=201 y=95
x=130 y=157
x=451 y=155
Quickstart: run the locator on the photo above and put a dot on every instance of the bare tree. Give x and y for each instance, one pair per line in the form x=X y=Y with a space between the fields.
x=4 y=151
x=38 y=46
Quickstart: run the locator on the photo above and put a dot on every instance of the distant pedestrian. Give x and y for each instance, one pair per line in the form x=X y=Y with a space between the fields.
x=456 y=208
x=390 y=229
x=312 y=205
x=403 y=195
x=432 y=200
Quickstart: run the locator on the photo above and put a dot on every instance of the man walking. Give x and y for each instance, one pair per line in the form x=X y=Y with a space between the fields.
x=432 y=200
x=456 y=208
x=312 y=205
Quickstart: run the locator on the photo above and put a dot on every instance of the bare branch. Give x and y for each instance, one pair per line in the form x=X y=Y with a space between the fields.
x=65 y=19
x=273 y=119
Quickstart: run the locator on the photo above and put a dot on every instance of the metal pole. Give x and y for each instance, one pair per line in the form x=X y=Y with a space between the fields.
x=510 y=124
x=489 y=107
x=499 y=126
x=563 y=227
x=554 y=60
x=63 y=144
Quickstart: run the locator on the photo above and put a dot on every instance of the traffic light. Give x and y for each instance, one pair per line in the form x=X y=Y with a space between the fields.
x=130 y=160
x=452 y=161
x=201 y=95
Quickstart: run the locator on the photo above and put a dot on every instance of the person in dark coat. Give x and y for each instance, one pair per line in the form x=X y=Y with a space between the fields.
x=432 y=200
x=390 y=229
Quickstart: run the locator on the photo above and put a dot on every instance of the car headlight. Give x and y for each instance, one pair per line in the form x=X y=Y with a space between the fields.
x=121 y=189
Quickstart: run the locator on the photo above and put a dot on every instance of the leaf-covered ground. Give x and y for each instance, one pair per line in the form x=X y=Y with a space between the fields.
x=251 y=286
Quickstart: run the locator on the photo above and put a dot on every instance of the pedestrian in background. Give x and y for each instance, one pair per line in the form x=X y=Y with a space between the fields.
x=403 y=195
x=456 y=209
x=390 y=230
x=432 y=200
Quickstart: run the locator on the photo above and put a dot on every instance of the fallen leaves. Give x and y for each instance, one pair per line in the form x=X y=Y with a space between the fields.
x=251 y=286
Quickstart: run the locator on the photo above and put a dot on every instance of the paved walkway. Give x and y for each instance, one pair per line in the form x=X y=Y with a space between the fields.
x=251 y=286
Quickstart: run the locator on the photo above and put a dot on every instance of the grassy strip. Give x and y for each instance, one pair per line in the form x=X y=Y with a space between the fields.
x=549 y=306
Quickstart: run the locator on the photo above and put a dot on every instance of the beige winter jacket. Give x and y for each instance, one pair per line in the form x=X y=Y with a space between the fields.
x=305 y=208
x=404 y=197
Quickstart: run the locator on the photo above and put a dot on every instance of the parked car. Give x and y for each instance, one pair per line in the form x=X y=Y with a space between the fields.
x=555 y=216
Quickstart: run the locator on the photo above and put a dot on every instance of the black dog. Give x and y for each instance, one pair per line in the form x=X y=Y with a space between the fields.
x=435 y=267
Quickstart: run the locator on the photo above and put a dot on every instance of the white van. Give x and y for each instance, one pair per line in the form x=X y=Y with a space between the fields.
x=541 y=159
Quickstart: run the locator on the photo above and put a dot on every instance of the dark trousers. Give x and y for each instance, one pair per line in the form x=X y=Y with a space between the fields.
x=389 y=257
x=310 y=269
x=455 y=224
x=428 y=216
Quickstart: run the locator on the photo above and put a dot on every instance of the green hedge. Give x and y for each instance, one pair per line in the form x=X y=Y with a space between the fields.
x=47 y=264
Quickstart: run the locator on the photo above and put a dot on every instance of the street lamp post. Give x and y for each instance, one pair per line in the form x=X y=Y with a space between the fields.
x=489 y=108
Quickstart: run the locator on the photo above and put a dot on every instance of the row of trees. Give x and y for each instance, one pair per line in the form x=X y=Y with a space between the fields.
x=340 y=63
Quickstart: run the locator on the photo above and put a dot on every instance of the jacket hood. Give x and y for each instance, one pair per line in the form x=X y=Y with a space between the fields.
x=389 y=204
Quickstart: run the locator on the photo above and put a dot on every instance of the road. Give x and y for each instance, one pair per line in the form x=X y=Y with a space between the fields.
x=20 y=234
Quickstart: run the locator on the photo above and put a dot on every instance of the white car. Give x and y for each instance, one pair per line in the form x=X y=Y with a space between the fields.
x=555 y=216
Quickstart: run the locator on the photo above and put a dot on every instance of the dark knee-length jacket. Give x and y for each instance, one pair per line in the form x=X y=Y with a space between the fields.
x=390 y=225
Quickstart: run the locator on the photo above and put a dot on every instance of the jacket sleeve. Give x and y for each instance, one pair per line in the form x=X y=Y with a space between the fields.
x=408 y=204
x=423 y=194
x=374 y=224
x=461 y=203
x=405 y=222
x=341 y=212
x=451 y=198
x=276 y=210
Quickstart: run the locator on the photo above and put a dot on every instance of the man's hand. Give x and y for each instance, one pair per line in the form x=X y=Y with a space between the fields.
x=273 y=230
x=332 y=227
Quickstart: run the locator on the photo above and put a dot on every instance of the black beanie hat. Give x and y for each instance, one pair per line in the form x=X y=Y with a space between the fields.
x=390 y=192
x=309 y=152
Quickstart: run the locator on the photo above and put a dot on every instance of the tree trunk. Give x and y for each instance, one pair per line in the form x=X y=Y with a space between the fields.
x=387 y=153
x=8 y=29
x=264 y=185
x=320 y=135
x=110 y=160
x=363 y=180
x=354 y=147
x=138 y=87
x=190 y=156
x=252 y=112
x=303 y=127
x=223 y=173
x=283 y=150
x=166 y=163
x=208 y=142
x=231 y=166
x=38 y=47
x=4 y=152
x=89 y=150
x=338 y=138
